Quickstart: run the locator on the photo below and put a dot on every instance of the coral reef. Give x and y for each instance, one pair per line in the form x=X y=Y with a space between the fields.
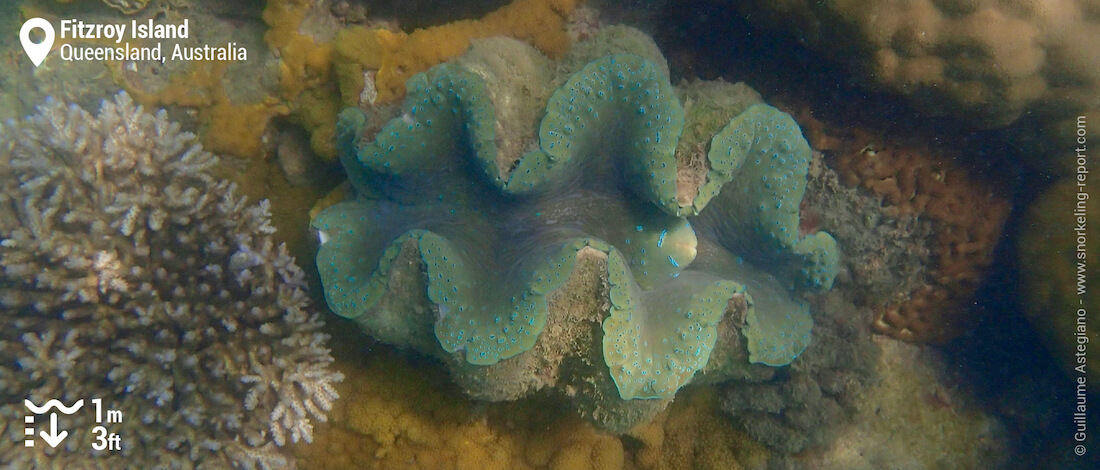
x=1050 y=253
x=913 y=401
x=991 y=62
x=311 y=50
x=397 y=56
x=883 y=255
x=238 y=109
x=694 y=433
x=967 y=218
x=400 y=412
x=419 y=14
x=233 y=118
x=805 y=405
x=247 y=109
x=132 y=275
x=855 y=400
x=405 y=411
x=504 y=213
x=127 y=6
x=807 y=411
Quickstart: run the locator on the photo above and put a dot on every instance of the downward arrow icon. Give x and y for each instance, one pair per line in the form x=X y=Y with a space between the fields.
x=53 y=438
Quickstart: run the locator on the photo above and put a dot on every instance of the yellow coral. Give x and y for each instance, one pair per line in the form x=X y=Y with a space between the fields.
x=237 y=129
x=306 y=68
x=399 y=56
x=572 y=444
x=693 y=433
x=397 y=415
x=228 y=128
x=303 y=61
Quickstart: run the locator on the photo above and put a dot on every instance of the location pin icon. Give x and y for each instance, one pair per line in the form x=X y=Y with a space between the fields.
x=37 y=52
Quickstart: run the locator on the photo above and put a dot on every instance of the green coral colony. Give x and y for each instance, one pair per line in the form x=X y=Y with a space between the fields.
x=500 y=175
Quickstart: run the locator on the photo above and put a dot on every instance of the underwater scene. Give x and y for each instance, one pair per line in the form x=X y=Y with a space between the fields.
x=549 y=234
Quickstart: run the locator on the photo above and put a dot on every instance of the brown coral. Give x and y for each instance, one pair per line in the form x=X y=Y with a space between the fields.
x=968 y=217
x=989 y=62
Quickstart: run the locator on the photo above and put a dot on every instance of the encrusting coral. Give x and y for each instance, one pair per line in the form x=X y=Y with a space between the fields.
x=397 y=56
x=401 y=412
x=404 y=414
x=310 y=56
x=132 y=275
x=693 y=433
x=927 y=213
x=533 y=203
x=883 y=254
x=967 y=219
x=804 y=406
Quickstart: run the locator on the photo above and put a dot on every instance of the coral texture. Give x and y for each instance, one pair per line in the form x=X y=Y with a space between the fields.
x=319 y=64
x=883 y=255
x=989 y=61
x=805 y=405
x=529 y=205
x=694 y=433
x=127 y=6
x=917 y=398
x=923 y=232
x=967 y=218
x=132 y=275
x=397 y=56
x=400 y=413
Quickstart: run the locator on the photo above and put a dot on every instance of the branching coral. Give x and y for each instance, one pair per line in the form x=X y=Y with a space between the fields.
x=530 y=203
x=132 y=275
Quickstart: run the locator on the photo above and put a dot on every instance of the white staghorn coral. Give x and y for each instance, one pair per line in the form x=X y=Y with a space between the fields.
x=131 y=274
